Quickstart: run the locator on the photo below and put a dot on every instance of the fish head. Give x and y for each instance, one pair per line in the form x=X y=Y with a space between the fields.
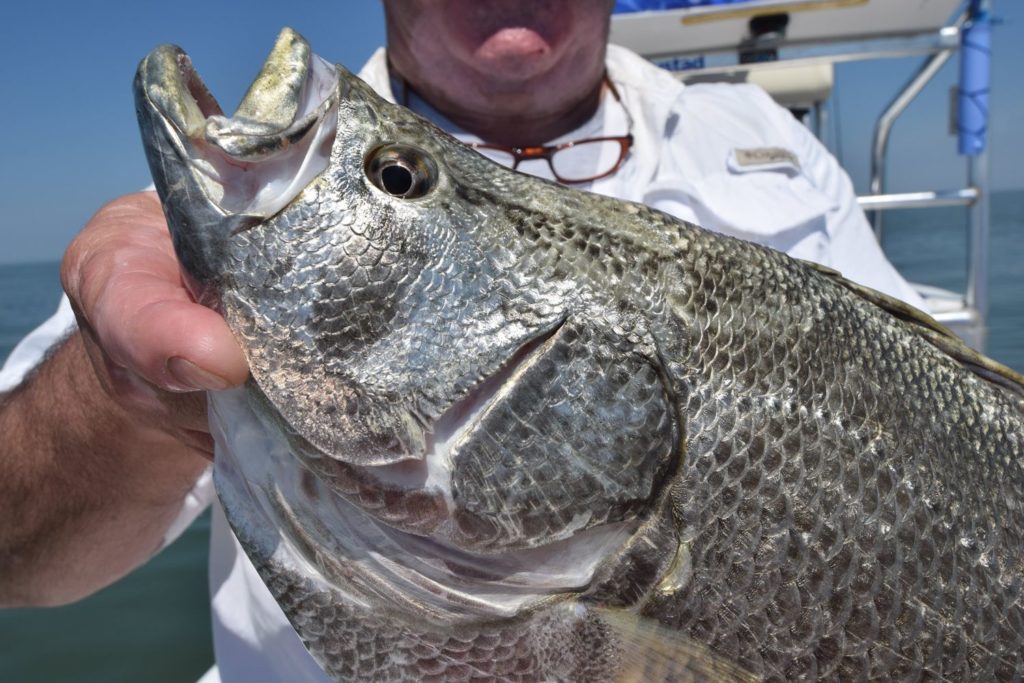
x=429 y=333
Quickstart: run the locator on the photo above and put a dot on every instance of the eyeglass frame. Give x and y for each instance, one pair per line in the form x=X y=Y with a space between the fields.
x=546 y=152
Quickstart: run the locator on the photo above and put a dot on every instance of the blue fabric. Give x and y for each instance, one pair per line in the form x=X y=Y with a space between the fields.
x=626 y=6
x=975 y=69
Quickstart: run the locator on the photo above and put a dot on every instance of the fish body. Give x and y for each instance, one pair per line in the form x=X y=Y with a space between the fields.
x=501 y=429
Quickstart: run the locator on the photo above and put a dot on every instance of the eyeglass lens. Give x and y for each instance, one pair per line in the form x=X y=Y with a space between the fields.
x=584 y=160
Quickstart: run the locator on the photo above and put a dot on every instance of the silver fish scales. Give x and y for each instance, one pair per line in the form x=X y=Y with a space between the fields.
x=500 y=429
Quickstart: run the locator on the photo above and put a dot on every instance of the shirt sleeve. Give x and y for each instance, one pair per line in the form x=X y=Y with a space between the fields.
x=196 y=500
x=852 y=248
x=31 y=350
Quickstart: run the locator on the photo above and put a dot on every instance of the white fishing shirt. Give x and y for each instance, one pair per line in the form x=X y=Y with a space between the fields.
x=723 y=156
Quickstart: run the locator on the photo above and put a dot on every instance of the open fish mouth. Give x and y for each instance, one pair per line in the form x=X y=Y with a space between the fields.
x=235 y=171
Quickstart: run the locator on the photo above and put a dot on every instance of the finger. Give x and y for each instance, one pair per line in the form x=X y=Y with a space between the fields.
x=123 y=278
x=173 y=343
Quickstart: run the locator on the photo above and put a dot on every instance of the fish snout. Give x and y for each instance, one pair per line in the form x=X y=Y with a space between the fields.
x=218 y=175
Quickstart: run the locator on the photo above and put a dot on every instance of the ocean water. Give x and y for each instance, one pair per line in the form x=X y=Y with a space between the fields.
x=154 y=624
x=929 y=245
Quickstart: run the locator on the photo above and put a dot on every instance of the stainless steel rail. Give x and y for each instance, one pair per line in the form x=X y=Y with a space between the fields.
x=919 y=200
x=899 y=104
x=703 y=63
x=968 y=317
x=885 y=122
x=977 y=263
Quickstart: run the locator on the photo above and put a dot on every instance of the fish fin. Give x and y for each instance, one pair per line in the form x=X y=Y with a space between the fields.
x=937 y=334
x=652 y=652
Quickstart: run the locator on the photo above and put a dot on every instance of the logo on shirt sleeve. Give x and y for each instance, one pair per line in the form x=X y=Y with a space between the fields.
x=763 y=159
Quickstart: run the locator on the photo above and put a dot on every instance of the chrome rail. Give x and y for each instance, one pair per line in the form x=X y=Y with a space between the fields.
x=885 y=123
x=977 y=264
x=966 y=314
x=702 y=63
x=911 y=90
x=919 y=200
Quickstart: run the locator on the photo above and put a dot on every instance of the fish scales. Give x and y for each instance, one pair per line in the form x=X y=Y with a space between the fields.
x=498 y=429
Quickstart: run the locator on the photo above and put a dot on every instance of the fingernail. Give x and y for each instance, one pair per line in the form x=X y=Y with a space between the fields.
x=191 y=377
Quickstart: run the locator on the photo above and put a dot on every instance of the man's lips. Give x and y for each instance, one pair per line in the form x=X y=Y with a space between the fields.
x=515 y=53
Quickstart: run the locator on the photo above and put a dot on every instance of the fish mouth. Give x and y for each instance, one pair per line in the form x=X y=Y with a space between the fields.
x=257 y=160
x=233 y=172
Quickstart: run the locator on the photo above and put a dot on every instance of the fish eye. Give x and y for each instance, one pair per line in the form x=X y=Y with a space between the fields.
x=401 y=170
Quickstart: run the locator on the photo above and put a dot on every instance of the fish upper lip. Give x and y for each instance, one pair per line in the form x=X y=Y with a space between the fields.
x=237 y=162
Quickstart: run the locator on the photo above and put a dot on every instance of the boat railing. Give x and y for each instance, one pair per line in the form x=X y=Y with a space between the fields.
x=713 y=43
x=965 y=314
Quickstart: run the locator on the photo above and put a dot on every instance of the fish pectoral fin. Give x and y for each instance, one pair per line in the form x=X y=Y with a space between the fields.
x=650 y=651
x=937 y=334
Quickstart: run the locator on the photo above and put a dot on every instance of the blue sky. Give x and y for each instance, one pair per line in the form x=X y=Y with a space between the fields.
x=71 y=141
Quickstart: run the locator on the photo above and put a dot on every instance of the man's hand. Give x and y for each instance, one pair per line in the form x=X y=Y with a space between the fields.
x=153 y=349
x=102 y=442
